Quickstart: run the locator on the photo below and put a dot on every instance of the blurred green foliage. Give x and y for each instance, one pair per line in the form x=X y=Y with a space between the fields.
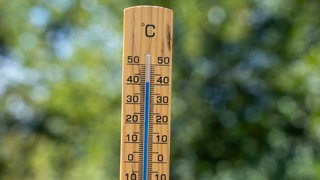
x=246 y=89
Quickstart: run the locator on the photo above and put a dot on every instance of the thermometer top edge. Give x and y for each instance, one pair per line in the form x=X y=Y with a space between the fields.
x=147 y=6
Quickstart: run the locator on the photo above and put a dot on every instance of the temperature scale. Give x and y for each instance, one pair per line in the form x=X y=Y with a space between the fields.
x=146 y=93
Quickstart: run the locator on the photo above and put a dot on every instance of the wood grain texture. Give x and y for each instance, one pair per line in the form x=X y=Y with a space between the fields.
x=147 y=29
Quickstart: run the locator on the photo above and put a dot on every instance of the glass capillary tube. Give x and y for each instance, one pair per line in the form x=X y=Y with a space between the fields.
x=146 y=118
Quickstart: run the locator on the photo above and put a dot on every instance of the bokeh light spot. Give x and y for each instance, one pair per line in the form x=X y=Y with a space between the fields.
x=216 y=15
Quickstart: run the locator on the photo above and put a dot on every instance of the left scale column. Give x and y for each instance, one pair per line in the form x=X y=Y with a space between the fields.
x=133 y=90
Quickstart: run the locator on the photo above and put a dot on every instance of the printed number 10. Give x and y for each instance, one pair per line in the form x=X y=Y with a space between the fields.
x=132 y=176
x=161 y=177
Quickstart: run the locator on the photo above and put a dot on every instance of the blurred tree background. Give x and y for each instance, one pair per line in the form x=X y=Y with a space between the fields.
x=246 y=89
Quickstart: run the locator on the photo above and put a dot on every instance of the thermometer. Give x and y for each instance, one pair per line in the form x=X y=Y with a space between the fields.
x=146 y=93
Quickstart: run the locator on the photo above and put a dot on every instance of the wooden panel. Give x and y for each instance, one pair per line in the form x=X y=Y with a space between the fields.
x=147 y=30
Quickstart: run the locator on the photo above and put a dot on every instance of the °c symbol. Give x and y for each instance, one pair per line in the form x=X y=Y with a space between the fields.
x=149 y=30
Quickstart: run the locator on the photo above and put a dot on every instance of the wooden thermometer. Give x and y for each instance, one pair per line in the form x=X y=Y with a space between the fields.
x=146 y=93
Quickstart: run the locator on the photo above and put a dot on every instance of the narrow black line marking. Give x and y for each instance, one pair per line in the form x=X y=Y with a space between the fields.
x=159 y=143
x=160 y=64
x=133 y=123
